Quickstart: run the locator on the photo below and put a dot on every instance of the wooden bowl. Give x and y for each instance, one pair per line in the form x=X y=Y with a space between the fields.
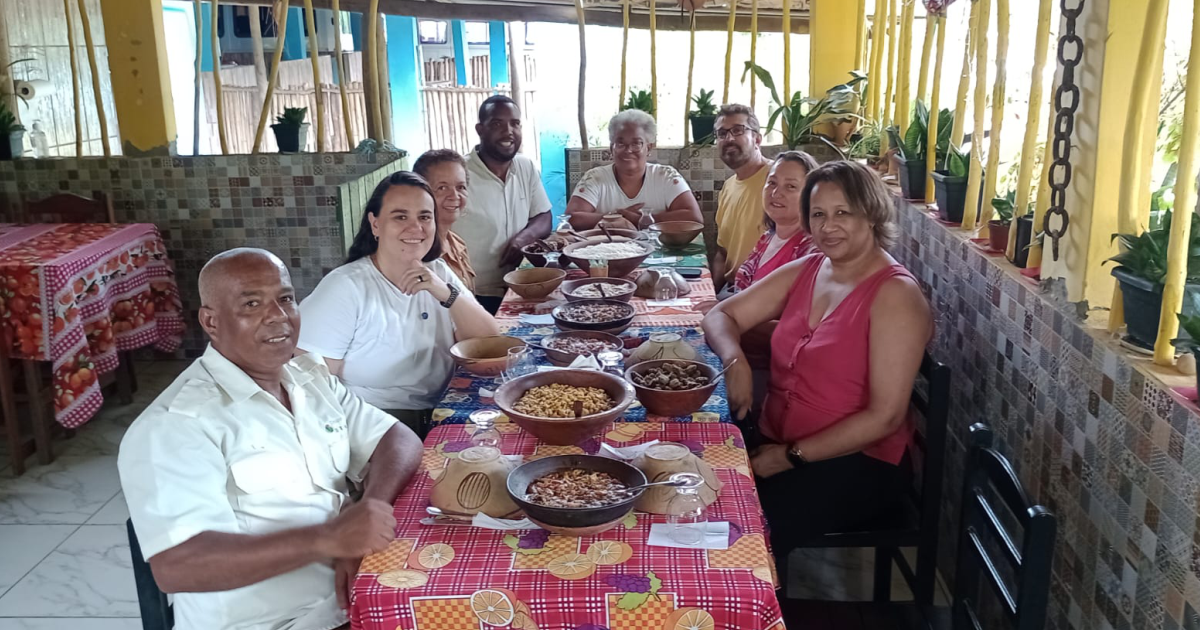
x=671 y=403
x=562 y=358
x=535 y=283
x=617 y=267
x=565 y=431
x=677 y=233
x=615 y=327
x=484 y=356
x=570 y=286
x=574 y=521
x=597 y=233
x=537 y=260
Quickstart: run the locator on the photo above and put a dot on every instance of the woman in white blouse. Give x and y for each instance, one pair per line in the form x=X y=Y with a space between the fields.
x=385 y=320
x=630 y=185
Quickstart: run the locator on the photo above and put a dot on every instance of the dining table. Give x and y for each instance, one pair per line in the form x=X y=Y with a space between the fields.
x=75 y=295
x=451 y=575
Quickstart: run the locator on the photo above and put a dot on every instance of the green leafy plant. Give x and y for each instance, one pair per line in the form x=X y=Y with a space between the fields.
x=957 y=162
x=914 y=144
x=865 y=142
x=797 y=116
x=704 y=104
x=641 y=99
x=845 y=99
x=1004 y=207
x=8 y=120
x=1190 y=325
x=292 y=116
x=1145 y=255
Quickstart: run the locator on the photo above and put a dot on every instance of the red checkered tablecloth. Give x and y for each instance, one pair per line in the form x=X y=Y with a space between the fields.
x=452 y=577
x=75 y=294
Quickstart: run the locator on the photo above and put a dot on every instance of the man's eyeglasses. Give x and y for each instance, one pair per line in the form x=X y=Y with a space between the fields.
x=734 y=131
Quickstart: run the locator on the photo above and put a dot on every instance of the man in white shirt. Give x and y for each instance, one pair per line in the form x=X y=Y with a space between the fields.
x=236 y=475
x=507 y=206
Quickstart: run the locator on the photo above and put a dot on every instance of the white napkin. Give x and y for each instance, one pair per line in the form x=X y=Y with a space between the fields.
x=536 y=320
x=486 y=393
x=661 y=260
x=675 y=302
x=626 y=452
x=585 y=362
x=487 y=522
x=715 y=535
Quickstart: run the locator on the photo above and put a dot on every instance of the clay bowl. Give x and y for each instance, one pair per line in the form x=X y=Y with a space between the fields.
x=596 y=233
x=615 y=326
x=565 y=431
x=567 y=261
x=537 y=260
x=563 y=358
x=484 y=356
x=617 y=267
x=671 y=403
x=535 y=283
x=570 y=286
x=574 y=521
x=677 y=233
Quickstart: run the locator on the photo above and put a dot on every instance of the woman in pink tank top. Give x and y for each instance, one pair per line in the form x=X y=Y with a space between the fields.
x=853 y=325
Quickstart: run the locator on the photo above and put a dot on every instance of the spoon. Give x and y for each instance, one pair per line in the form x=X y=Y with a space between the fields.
x=432 y=511
x=721 y=374
x=669 y=482
x=604 y=229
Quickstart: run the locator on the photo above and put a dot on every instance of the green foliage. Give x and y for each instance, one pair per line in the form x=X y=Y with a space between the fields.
x=704 y=104
x=915 y=143
x=641 y=99
x=1004 y=207
x=865 y=142
x=292 y=116
x=796 y=117
x=1145 y=255
x=958 y=162
x=1190 y=325
x=845 y=99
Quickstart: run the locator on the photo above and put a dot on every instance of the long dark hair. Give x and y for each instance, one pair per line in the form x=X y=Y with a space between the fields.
x=365 y=242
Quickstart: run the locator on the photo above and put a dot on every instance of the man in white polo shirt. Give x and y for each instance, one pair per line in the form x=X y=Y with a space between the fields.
x=507 y=207
x=236 y=475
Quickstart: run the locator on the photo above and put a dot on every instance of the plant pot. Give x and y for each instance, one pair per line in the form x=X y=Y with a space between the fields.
x=290 y=138
x=702 y=129
x=951 y=194
x=997 y=235
x=15 y=147
x=1142 y=301
x=1024 y=237
x=911 y=174
x=1196 y=355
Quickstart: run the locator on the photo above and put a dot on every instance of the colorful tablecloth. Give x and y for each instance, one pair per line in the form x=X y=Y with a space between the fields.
x=75 y=294
x=468 y=393
x=457 y=577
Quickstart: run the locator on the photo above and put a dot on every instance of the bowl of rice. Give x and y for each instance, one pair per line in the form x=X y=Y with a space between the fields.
x=623 y=256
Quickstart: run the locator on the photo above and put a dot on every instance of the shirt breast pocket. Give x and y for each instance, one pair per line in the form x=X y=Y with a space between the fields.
x=270 y=486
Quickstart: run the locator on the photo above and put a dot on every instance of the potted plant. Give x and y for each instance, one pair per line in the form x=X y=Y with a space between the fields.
x=844 y=101
x=911 y=150
x=1191 y=341
x=12 y=134
x=640 y=99
x=703 y=117
x=1025 y=238
x=998 y=227
x=1142 y=266
x=950 y=185
x=864 y=143
x=291 y=132
x=798 y=116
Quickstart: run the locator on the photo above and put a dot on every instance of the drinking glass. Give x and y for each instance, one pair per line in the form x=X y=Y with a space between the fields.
x=552 y=260
x=485 y=428
x=519 y=363
x=646 y=220
x=664 y=287
x=686 y=514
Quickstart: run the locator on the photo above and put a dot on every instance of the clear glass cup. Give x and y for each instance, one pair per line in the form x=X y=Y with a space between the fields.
x=610 y=361
x=519 y=363
x=646 y=220
x=686 y=514
x=485 y=428
x=664 y=287
x=552 y=259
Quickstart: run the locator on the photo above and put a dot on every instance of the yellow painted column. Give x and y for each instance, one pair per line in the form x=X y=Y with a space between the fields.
x=833 y=54
x=141 y=83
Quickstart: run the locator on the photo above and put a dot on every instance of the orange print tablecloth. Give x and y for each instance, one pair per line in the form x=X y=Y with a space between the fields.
x=76 y=294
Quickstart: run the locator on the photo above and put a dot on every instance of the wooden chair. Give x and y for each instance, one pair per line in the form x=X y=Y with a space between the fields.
x=157 y=613
x=28 y=390
x=71 y=208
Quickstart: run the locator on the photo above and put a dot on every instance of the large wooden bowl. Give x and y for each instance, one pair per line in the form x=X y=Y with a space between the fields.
x=484 y=356
x=574 y=521
x=614 y=327
x=617 y=267
x=677 y=233
x=565 y=431
x=598 y=233
x=569 y=287
x=535 y=283
x=562 y=358
x=671 y=403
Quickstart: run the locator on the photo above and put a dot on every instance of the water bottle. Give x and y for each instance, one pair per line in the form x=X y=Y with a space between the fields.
x=37 y=137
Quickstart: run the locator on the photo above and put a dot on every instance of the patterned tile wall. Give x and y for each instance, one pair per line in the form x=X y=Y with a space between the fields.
x=1092 y=435
x=288 y=204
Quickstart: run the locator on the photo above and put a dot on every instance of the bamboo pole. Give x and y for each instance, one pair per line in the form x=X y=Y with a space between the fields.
x=196 y=9
x=964 y=79
x=384 y=84
x=874 y=72
x=687 y=97
x=975 y=177
x=583 y=136
x=315 y=58
x=753 y=47
x=992 y=175
x=860 y=35
x=516 y=66
x=97 y=93
x=260 y=61
x=787 y=53
x=926 y=51
x=371 y=53
x=904 y=71
x=891 y=65
x=75 y=89
x=625 y=53
x=216 y=53
x=1178 y=249
x=341 y=72
x=939 y=23
x=1033 y=114
x=653 y=60
x=280 y=13
x=728 y=49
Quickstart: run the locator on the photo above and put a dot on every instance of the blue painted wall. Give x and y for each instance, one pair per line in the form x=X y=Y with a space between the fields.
x=404 y=68
x=293 y=40
x=458 y=33
x=206 y=26
x=356 y=31
x=554 y=169
x=498 y=52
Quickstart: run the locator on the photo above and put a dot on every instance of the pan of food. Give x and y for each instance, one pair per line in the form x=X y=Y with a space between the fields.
x=575 y=494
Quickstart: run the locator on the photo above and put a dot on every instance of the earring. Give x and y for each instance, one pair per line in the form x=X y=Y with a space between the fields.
x=376 y=238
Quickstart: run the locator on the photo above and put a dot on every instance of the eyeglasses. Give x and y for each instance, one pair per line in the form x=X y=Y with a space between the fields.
x=734 y=131
x=636 y=146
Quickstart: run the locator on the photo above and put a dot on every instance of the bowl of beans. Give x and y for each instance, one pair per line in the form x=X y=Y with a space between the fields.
x=608 y=316
x=575 y=494
x=564 y=406
x=622 y=255
x=564 y=347
x=672 y=387
x=619 y=289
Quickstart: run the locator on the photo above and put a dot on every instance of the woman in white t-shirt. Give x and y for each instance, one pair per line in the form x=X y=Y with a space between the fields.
x=629 y=185
x=385 y=320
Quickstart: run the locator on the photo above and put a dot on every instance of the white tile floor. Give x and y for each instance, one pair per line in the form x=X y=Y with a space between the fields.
x=64 y=554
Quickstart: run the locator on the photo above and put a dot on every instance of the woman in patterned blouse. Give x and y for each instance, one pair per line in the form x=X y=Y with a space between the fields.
x=446 y=172
x=785 y=240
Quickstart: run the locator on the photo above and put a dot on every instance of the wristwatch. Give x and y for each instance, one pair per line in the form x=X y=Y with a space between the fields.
x=453 y=296
x=795 y=456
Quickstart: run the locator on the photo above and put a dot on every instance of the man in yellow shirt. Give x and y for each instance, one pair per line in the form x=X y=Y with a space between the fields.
x=739 y=206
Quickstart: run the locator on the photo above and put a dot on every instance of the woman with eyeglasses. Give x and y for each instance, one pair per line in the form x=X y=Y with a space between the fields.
x=630 y=186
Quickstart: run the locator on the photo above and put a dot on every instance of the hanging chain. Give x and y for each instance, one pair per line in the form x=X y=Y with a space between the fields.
x=1066 y=103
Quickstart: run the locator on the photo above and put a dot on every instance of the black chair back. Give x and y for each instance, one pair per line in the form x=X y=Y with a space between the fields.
x=157 y=613
x=929 y=445
x=981 y=531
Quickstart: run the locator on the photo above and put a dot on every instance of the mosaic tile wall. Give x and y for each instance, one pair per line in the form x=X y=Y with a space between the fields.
x=288 y=204
x=1092 y=436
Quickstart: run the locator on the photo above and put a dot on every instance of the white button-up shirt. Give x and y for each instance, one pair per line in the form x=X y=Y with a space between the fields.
x=215 y=452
